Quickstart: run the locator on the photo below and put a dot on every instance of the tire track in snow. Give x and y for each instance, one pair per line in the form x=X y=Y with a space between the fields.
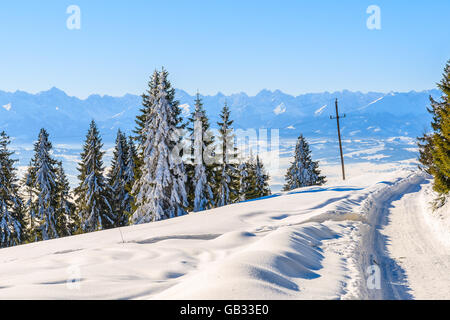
x=425 y=260
x=384 y=230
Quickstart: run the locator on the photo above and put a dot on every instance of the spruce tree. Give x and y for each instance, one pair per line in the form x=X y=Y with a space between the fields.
x=227 y=188
x=117 y=181
x=425 y=144
x=303 y=172
x=31 y=219
x=45 y=189
x=160 y=191
x=148 y=100
x=67 y=221
x=262 y=188
x=93 y=195
x=11 y=205
x=203 y=161
x=435 y=147
x=130 y=175
x=244 y=180
x=200 y=169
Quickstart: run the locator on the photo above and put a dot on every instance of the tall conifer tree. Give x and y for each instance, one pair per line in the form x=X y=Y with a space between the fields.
x=145 y=112
x=117 y=181
x=244 y=180
x=130 y=175
x=11 y=205
x=44 y=190
x=93 y=196
x=160 y=191
x=262 y=188
x=227 y=188
x=435 y=147
x=303 y=172
x=67 y=221
x=200 y=168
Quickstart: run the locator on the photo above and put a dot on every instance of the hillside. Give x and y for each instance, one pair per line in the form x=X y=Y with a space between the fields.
x=311 y=243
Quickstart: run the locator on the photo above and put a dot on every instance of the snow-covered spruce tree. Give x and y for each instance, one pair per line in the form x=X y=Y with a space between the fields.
x=93 y=195
x=200 y=170
x=45 y=189
x=31 y=219
x=227 y=187
x=11 y=206
x=261 y=188
x=160 y=191
x=130 y=174
x=148 y=100
x=244 y=180
x=435 y=147
x=117 y=181
x=303 y=172
x=68 y=223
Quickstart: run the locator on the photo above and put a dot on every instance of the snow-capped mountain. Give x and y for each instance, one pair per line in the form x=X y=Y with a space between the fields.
x=67 y=118
x=378 y=127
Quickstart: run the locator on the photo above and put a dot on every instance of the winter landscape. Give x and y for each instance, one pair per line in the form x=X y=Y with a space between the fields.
x=167 y=191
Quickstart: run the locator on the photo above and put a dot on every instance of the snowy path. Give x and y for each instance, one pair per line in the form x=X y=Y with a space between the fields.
x=414 y=264
x=424 y=258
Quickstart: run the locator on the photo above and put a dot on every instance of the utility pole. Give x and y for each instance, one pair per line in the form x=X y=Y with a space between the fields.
x=339 y=135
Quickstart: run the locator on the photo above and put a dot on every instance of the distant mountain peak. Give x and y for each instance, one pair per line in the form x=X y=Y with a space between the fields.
x=53 y=91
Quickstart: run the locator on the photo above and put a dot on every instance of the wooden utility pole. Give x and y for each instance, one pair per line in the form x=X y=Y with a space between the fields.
x=339 y=135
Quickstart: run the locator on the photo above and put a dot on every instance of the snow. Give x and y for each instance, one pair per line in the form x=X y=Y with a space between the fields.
x=375 y=101
x=438 y=220
x=416 y=245
x=310 y=243
x=280 y=109
x=118 y=115
x=7 y=107
x=185 y=109
x=411 y=262
x=320 y=110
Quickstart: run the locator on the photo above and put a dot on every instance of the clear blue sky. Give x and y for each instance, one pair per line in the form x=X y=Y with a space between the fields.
x=227 y=46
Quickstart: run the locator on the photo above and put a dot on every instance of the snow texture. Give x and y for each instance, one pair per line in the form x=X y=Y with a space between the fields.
x=309 y=243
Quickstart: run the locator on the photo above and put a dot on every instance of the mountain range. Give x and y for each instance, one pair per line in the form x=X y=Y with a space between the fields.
x=367 y=114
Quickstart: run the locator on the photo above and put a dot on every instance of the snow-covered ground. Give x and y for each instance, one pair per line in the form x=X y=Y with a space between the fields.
x=312 y=243
x=420 y=242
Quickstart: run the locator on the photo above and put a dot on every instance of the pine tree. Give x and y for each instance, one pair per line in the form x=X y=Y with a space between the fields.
x=160 y=191
x=67 y=221
x=93 y=195
x=200 y=168
x=244 y=180
x=45 y=189
x=203 y=159
x=227 y=181
x=130 y=175
x=11 y=205
x=117 y=181
x=254 y=182
x=148 y=100
x=31 y=219
x=262 y=188
x=425 y=144
x=435 y=147
x=303 y=172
